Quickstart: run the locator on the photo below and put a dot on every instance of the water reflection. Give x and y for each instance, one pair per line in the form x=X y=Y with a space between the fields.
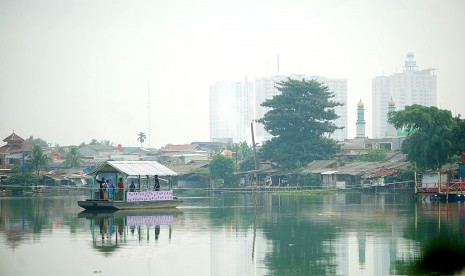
x=243 y=234
x=25 y=218
x=109 y=230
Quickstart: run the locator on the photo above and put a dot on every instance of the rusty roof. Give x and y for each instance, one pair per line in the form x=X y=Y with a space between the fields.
x=372 y=169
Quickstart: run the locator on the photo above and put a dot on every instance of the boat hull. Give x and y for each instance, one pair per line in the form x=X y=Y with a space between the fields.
x=123 y=205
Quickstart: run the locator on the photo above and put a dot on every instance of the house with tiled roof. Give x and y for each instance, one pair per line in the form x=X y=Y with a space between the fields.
x=13 y=150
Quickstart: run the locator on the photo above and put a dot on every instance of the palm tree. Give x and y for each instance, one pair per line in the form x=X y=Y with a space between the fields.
x=39 y=159
x=141 y=138
x=73 y=157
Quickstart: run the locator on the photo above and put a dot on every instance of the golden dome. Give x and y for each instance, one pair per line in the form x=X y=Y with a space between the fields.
x=391 y=102
x=360 y=104
x=227 y=153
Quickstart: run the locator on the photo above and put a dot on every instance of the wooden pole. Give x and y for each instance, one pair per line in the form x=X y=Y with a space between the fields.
x=254 y=152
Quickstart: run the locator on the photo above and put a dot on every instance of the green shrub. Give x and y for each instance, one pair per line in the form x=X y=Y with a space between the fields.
x=27 y=179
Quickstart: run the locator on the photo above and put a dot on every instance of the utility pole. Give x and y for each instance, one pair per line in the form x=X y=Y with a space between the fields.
x=254 y=152
x=148 y=107
x=237 y=182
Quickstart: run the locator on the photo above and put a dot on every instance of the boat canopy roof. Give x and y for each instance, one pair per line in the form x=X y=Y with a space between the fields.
x=134 y=168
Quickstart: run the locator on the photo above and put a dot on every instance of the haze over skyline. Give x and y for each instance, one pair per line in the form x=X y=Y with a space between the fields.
x=76 y=70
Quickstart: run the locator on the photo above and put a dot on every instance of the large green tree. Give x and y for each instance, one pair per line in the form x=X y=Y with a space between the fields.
x=301 y=119
x=434 y=136
x=221 y=167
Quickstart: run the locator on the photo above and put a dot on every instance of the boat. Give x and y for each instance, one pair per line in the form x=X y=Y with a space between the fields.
x=142 y=196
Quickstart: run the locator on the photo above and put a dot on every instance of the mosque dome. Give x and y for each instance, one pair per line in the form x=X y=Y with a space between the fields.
x=391 y=102
x=227 y=153
x=360 y=104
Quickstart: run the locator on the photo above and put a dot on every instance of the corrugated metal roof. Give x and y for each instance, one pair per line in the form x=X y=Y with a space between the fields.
x=329 y=172
x=135 y=168
x=366 y=169
x=319 y=166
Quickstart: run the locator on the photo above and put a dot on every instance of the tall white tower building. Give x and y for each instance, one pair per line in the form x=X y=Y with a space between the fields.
x=231 y=111
x=265 y=88
x=412 y=86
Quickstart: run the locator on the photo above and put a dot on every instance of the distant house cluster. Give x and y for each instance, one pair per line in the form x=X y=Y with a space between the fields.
x=187 y=159
x=181 y=158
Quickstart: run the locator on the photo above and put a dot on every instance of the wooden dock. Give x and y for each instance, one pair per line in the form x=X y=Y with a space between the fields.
x=449 y=192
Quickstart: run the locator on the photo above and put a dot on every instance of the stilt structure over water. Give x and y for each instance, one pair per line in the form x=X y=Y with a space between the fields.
x=439 y=188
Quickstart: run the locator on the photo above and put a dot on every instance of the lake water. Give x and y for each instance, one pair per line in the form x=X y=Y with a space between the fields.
x=226 y=234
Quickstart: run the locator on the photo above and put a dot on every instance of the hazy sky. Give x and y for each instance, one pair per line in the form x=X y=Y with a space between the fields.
x=75 y=70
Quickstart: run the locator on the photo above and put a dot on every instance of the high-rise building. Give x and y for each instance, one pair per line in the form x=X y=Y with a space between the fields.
x=412 y=86
x=231 y=111
x=265 y=88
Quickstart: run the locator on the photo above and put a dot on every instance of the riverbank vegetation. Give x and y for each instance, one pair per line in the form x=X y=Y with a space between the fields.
x=434 y=137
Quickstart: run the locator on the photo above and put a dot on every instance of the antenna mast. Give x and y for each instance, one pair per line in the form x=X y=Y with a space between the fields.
x=148 y=108
x=277 y=64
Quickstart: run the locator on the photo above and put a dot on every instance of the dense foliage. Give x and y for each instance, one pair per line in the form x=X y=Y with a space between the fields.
x=221 y=167
x=247 y=164
x=301 y=119
x=241 y=150
x=434 y=136
x=243 y=155
x=373 y=155
x=26 y=179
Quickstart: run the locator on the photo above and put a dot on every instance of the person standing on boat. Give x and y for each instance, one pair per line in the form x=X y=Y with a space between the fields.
x=100 y=192
x=105 y=189
x=120 y=189
x=157 y=231
x=111 y=188
x=157 y=183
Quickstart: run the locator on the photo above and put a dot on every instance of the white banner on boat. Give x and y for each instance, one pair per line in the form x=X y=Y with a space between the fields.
x=149 y=196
